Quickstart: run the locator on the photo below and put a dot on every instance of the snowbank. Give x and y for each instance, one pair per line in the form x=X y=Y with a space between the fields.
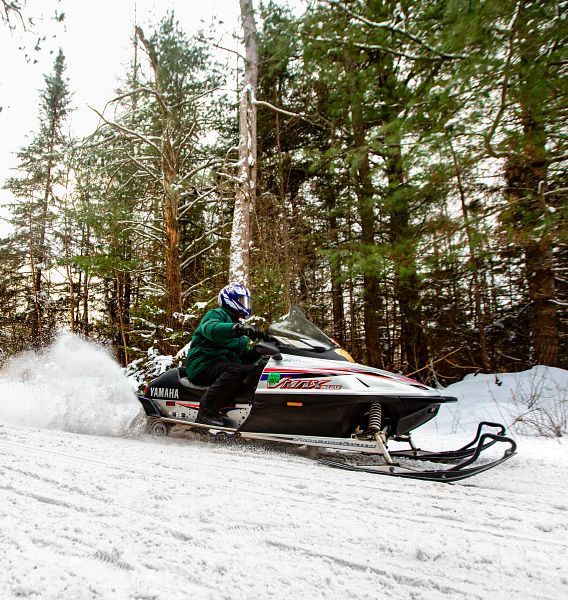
x=73 y=385
x=533 y=402
x=530 y=404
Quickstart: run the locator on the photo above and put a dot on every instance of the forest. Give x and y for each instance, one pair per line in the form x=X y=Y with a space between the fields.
x=396 y=168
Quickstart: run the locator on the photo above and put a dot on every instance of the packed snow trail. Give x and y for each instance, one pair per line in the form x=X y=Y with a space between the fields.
x=88 y=517
x=98 y=517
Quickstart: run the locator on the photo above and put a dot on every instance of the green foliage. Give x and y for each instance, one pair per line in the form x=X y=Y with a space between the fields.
x=427 y=159
x=42 y=177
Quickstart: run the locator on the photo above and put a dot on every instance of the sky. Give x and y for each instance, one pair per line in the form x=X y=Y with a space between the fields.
x=96 y=40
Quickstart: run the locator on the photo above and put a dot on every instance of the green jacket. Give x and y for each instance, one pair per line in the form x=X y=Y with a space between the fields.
x=213 y=342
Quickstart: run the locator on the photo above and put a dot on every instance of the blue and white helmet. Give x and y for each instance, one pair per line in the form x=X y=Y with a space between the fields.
x=236 y=297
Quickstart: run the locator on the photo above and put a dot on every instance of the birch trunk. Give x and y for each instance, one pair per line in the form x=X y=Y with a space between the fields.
x=245 y=193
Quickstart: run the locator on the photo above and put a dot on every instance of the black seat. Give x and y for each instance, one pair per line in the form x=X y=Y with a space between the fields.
x=186 y=383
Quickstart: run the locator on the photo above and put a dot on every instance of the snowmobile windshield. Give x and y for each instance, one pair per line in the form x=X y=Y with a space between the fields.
x=296 y=331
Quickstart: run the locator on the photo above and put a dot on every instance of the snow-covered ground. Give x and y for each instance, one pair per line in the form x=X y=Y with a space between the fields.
x=88 y=511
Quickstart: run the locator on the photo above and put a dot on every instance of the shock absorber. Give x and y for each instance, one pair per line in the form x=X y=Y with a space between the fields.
x=375 y=417
x=375 y=422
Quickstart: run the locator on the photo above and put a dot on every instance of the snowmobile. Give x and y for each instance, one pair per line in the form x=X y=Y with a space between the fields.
x=310 y=393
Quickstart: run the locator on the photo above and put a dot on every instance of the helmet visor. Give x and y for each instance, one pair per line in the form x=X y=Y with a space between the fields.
x=245 y=302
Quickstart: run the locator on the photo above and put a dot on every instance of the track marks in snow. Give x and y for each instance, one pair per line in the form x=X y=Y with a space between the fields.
x=177 y=518
x=401 y=576
x=114 y=559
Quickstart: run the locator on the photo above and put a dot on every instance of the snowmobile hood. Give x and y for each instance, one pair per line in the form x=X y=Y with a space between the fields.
x=340 y=377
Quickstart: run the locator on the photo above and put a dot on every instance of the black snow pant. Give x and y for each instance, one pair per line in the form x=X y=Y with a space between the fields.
x=224 y=378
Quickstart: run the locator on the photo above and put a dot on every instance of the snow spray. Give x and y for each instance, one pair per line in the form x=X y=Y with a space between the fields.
x=72 y=385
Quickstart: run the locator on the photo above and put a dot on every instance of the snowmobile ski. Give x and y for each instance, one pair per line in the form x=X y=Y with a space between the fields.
x=450 y=455
x=455 y=473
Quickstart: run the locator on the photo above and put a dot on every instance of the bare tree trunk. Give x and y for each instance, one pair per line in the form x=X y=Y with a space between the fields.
x=85 y=317
x=68 y=272
x=338 y=325
x=77 y=315
x=38 y=261
x=245 y=194
x=171 y=197
x=171 y=201
x=284 y=257
x=37 y=324
x=474 y=262
x=523 y=181
x=542 y=291
x=123 y=298
x=526 y=174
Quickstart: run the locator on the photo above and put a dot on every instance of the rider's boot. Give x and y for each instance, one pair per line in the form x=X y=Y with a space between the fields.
x=215 y=420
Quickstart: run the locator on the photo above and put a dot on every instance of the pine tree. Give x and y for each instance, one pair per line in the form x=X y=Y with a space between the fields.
x=516 y=71
x=42 y=169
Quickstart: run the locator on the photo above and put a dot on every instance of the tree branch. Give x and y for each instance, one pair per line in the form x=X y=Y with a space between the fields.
x=388 y=25
x=187 y=207
x=362 y=46
x=191 y=288
x=130 y=132
x=504 y=87
x=196 y=240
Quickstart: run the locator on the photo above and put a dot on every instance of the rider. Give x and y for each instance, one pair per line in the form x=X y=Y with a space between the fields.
x=220 y=355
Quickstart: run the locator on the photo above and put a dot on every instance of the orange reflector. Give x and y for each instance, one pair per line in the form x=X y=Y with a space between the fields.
x=295 y=403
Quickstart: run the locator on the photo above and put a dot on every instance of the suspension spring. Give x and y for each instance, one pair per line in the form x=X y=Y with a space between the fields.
x=375 y=417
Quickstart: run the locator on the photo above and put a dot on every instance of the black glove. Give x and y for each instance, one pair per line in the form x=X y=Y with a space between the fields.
x=254 y=333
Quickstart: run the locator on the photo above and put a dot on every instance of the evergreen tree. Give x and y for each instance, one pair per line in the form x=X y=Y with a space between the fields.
x=42 y=169
x=160 y=189
x=516 y=68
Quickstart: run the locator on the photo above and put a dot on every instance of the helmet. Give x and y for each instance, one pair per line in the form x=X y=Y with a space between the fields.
x=236 y=298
